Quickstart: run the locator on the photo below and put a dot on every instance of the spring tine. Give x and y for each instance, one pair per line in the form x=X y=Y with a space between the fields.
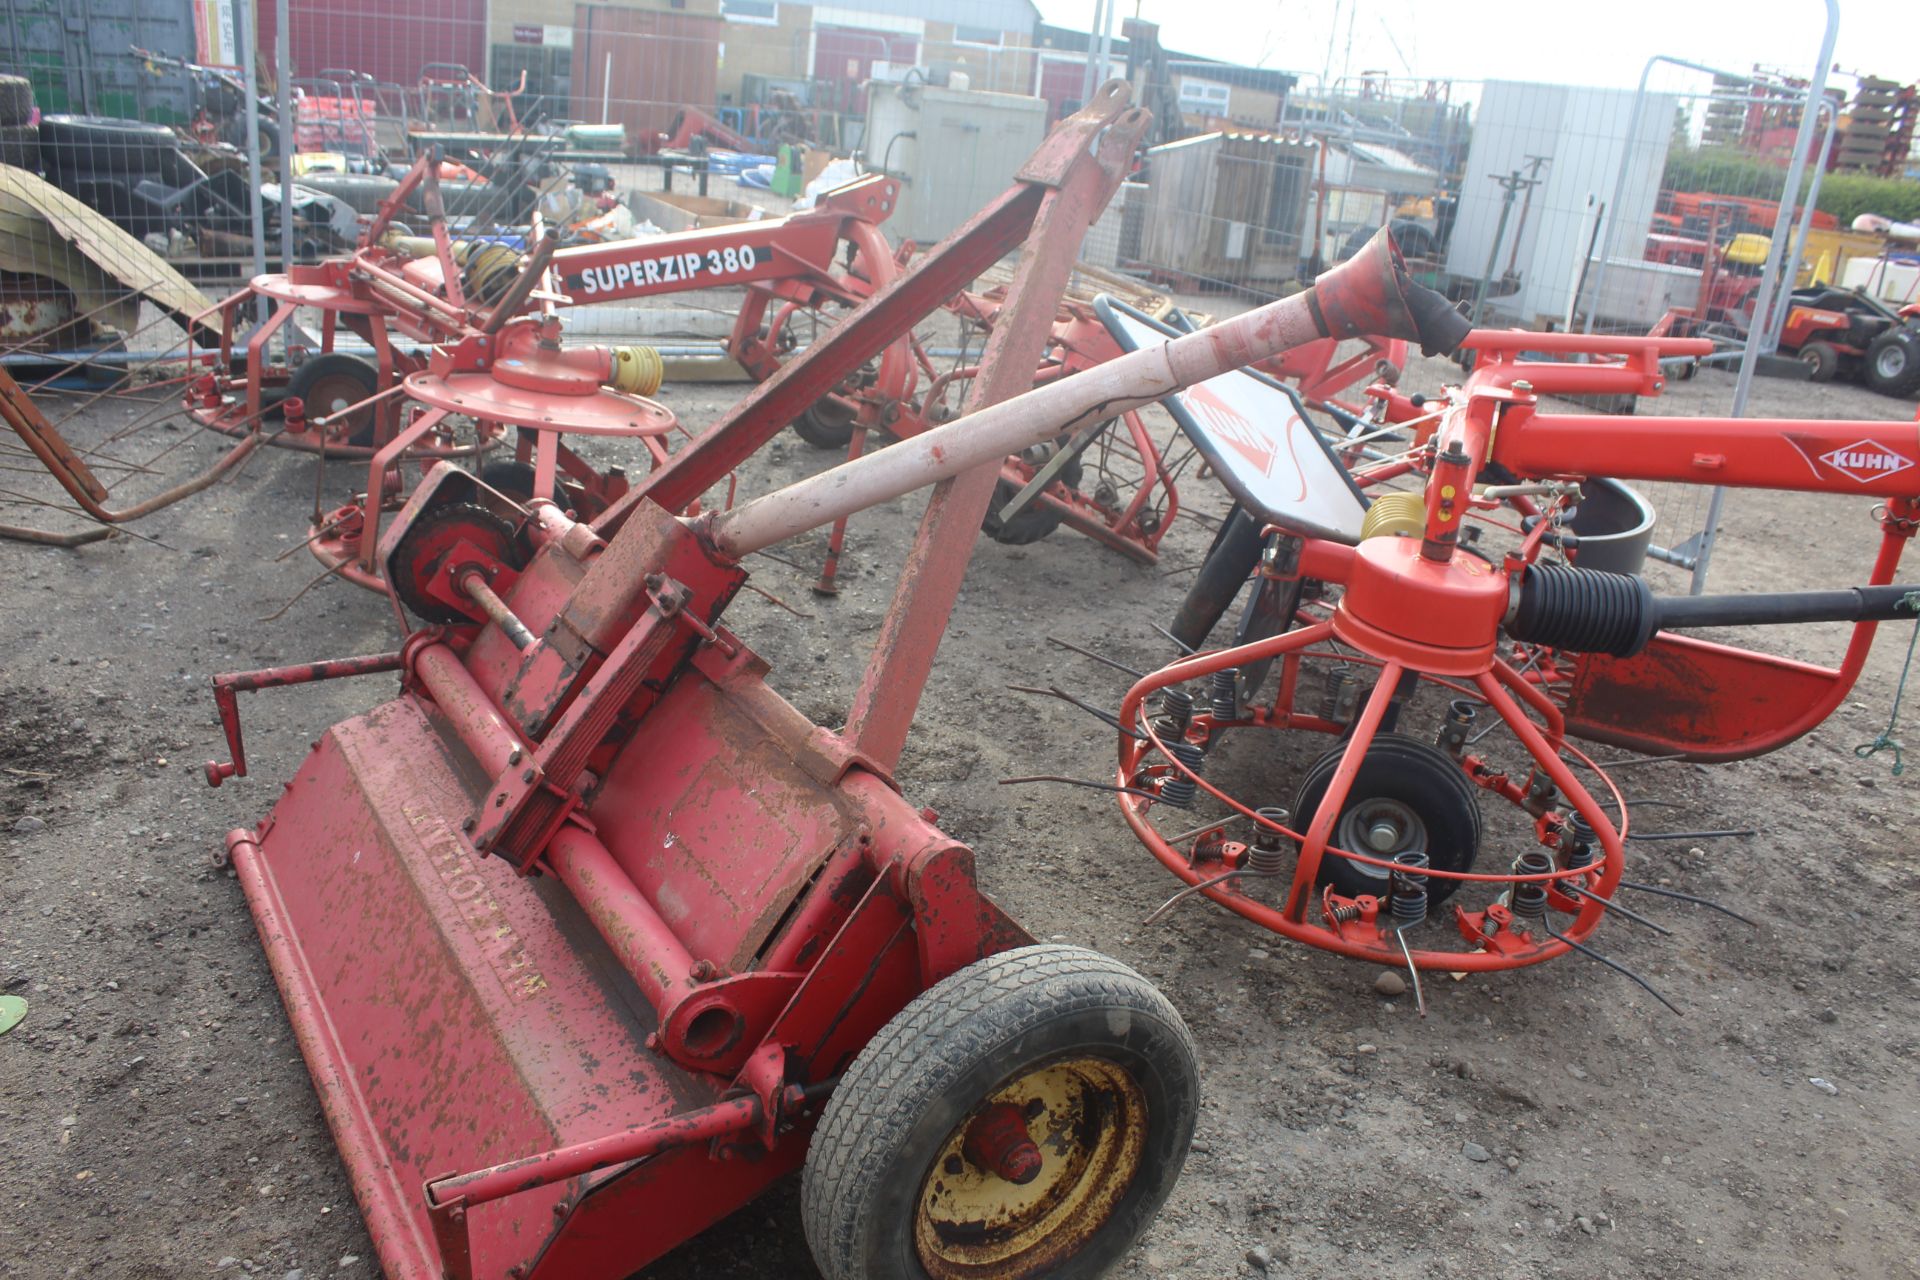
x=1192 y=889
x=1099 y=658
x=1688 y=897
x=1179 y=643
x=1413 y=972
x=1611 y=905
x=1689 y=835
x=1091 y=710
x=1614 y=965
x=1630 y=762
x=1203 y=828
x=1081 y=782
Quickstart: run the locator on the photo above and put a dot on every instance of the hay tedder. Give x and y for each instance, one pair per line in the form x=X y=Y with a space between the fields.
x=1362 y=599
x=588 y=936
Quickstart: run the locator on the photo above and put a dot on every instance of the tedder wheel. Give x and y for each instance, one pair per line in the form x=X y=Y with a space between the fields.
x=19 y=144
x=328 y=383
x=16 y=103
x=1822 y=360
x=1231 y=559
x=1407 y=795
x=1270 y=609
x=515 y=480
x=1036 y=520
x=1025 y=1117
x=827 y=423
x=1893 y=363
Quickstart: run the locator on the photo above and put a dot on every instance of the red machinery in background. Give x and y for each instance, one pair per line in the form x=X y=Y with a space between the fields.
x=1385 y=599
x=579 y=932
x=489 y=315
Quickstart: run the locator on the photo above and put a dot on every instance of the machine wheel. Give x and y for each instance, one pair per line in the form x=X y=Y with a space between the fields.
x=328 y=383
x=1025 y=1117
x=98 y=145
x=1893 y=363
x=16 y=102
x=1270 y=609
x=826 y=424
x=515 y=480
x=1822 y=360
x=428 y=542
x=1407 y=795
x=1036 y=521
x=20 y=145
x=1230 y=560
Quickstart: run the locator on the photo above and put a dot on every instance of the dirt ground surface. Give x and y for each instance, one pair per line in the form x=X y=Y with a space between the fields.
x=156 y=1119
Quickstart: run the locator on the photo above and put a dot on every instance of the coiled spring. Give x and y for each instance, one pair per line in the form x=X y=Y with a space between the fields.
x=1226 y=694
x=1341 y=696
x=1178 y=788
x=1457 y=727
x=1527 y=899
x=1268 y=854
x=1176 y=710
x=1407 y=892
x=1578 y=843
x=1344 y=913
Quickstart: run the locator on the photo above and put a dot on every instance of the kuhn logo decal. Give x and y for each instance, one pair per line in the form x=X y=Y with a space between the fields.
x=1228 y=425
x=1866 y=461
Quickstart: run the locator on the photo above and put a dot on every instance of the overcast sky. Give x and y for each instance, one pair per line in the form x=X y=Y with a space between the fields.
x=1542 y=40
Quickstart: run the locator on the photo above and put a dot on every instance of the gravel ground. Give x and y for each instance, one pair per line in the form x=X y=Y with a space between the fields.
x=156 y=1119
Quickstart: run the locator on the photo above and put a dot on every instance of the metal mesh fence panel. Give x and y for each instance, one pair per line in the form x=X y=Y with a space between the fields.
x=1541 y=206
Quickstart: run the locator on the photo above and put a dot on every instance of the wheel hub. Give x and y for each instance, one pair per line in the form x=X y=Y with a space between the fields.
x=1033 y=1173
x=1380 y=827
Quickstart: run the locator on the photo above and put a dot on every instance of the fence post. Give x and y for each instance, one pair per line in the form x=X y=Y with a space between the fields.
x=283 y=83
x=249 y=68
x=1770 y=277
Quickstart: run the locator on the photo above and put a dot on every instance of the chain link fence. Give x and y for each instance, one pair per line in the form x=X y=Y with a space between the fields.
x=147 y=164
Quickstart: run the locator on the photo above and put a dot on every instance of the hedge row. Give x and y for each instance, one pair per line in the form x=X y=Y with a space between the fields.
x=1722 y=171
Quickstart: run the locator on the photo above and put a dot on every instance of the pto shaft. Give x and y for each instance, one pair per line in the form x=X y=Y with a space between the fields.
x=1369 y=294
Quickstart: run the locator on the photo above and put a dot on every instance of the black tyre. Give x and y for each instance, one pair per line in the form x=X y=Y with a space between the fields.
x=1090 y=1076
x=1406 y=795
x=826 y=424
x=328 y=384
x=1893 y=363
x=515 y=480
x=95 y=144
x=1822 y=360
x=20 y=146
x=16 y=102
x=363 y=191
x=1270 y=610
x=1229 y=562
x=1036 y=520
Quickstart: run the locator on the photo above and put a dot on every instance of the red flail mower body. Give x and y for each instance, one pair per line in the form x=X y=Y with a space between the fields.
x=588 y=936
x=1358 y=605
x=580 y=931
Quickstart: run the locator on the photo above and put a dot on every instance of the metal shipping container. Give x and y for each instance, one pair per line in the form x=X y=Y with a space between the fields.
x=1582 y=133
x=954 y=149
x=78 y=55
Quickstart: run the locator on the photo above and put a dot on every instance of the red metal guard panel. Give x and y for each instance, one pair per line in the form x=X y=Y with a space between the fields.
x=475 y=1023
x=724 y=828
x=1686 y=695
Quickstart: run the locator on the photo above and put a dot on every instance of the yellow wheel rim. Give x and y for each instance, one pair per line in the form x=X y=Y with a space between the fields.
x=1088 y=1118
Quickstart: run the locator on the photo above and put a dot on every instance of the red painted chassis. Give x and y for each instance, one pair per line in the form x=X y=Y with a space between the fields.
x=1437 y=616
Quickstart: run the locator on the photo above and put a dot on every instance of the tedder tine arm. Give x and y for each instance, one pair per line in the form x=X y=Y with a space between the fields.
x=78 y=479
